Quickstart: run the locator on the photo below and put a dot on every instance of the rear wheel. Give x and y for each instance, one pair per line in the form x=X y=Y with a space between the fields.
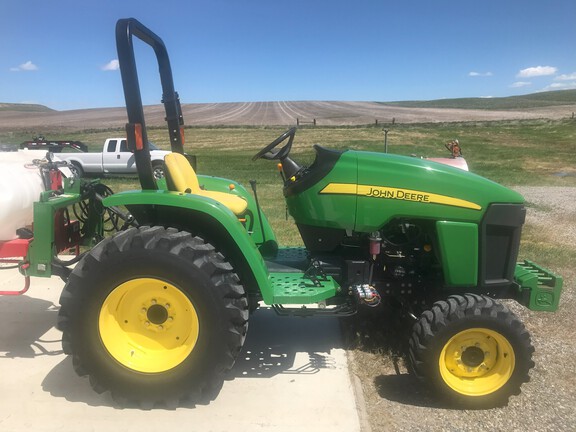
x=471 y=350
x=155 y=316
x=76 y=169
x=158 y=169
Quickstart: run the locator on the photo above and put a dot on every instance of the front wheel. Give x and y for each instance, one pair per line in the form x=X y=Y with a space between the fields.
x=155 y=316
x=471 y=350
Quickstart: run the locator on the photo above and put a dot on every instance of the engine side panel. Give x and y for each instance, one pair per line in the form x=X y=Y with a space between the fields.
x=459 y=252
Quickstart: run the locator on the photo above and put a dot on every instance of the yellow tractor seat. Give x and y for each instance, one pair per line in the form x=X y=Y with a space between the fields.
x=180 y=177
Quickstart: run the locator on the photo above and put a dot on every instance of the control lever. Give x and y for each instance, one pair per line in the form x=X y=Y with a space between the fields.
x=253 y=186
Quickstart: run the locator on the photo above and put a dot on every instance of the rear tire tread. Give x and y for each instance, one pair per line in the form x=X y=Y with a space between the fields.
x=197 y=253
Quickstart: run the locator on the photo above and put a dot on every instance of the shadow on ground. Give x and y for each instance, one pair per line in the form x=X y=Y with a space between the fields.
x=25 y=321
x=273 y=342
x=407 y=390
x=274 y=345
x=379 y=337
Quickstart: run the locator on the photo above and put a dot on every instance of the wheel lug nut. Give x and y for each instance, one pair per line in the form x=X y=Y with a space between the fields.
x=167 y=306
x=147 y=323
x=160 y=327
x=153 y=301
x=143 y=310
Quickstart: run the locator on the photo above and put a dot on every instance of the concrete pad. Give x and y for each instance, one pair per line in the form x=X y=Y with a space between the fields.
x=291 y=375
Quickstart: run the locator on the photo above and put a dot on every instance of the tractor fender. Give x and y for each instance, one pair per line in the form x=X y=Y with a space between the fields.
x=258 y=223
x=204 y=216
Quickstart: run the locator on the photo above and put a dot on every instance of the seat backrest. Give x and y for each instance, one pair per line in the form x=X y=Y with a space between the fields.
x=180 y=176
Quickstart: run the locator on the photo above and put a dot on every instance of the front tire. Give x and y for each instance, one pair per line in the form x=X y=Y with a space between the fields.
x=155 y=316
x=472 y=351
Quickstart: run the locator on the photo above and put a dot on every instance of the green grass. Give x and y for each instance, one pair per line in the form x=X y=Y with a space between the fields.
x=509 y=152
x=512 y=153
x=537 y=245
x=536 y=152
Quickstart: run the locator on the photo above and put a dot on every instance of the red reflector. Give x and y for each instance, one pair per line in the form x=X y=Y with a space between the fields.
x=55 y=180
x=138 y=136
x=182 y=135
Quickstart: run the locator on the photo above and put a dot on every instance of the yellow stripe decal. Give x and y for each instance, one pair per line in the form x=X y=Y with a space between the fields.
x=397 y=194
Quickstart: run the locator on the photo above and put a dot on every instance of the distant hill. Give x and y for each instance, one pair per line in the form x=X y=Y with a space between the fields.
x=550 y=105
x=24 y=107
x=524 y=102
x=534 y=100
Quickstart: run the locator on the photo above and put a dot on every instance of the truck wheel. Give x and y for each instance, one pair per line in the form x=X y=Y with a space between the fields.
x=76 y=169
x=155 y=316
x=158 y=169
x=471 y=350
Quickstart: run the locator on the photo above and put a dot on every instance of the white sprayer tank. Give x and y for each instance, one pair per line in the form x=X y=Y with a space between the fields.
x=20 y=186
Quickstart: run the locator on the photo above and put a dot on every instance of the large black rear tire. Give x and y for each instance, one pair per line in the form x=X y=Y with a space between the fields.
x=155 y=316
x=472 y=351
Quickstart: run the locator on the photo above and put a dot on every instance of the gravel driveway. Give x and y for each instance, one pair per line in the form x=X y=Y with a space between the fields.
x=394 y=400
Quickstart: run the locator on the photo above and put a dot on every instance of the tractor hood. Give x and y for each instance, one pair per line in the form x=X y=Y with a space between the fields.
x=362 y=191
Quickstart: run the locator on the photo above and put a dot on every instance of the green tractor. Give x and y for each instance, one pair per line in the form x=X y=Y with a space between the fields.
x=158 y=312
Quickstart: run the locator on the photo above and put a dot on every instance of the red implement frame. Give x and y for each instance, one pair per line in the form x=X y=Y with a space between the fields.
x=10 y=251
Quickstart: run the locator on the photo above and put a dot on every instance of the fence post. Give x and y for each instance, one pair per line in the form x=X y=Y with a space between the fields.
x=385 y=140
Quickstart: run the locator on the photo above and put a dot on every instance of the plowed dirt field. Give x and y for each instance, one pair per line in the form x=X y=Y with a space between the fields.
x=269 y=114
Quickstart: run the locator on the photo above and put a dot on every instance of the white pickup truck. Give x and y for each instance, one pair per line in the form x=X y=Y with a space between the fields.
x=114 y=159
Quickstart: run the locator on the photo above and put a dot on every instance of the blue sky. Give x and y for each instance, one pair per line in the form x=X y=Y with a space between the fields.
x=61 y=53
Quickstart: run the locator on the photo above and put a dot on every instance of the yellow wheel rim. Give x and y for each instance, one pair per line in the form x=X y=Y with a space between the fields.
x=477 y=362
x=148 y=325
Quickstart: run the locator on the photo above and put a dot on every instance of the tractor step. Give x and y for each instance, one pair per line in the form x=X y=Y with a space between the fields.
x=297 y=288
x=289 y=260
x=341 y=310
x=540 y=288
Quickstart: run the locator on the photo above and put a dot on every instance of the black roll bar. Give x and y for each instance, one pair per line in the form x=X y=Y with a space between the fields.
x=136 y=127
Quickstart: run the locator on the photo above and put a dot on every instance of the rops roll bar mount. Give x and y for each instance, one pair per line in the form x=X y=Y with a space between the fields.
x=136 y=127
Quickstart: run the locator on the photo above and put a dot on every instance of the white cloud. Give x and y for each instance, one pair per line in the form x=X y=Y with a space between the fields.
x=26 y=67
x=565 y=77
x=537 y=71
x=112 y=65
x=480 y=74
x=519 y=84
x=560 y=86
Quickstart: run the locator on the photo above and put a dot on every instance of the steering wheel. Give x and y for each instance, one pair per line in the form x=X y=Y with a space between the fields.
x=268 y=153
